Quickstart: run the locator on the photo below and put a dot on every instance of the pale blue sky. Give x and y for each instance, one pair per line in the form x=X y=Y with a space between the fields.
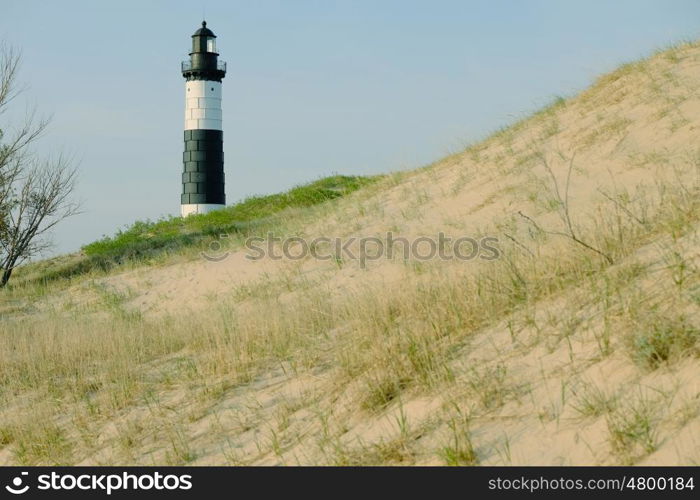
x=313 y=87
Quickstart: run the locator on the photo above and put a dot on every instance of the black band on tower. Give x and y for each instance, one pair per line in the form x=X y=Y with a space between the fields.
x=203 y=171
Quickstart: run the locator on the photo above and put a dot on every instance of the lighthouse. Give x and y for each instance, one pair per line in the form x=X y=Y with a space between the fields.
x=203 y=159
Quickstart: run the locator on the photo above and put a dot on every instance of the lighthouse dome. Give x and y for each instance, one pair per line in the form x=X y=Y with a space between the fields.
x=204 y=31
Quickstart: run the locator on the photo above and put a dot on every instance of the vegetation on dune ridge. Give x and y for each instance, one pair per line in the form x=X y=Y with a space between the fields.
x=150 y=239
x=144 y=238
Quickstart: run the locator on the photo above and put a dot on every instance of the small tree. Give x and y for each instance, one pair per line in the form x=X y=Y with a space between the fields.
x=34 y=193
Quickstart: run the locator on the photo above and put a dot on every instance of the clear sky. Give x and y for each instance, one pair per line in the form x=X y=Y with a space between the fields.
x=313 y=87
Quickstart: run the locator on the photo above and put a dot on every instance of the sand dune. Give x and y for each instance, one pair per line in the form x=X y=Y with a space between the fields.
x=578 y=346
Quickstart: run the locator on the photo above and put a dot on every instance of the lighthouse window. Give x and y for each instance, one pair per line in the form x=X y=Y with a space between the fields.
x=211 y=44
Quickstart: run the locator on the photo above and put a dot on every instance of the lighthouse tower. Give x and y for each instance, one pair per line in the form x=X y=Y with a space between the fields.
x=203 y=159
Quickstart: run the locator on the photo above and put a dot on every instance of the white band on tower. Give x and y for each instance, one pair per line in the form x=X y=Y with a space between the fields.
x=203 y=105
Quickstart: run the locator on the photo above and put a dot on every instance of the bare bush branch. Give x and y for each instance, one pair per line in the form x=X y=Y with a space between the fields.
x=34 y=195
x=563 y=209
x=9 y=66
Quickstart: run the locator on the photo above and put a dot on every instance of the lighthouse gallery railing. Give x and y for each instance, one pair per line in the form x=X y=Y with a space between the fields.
x=187 y=65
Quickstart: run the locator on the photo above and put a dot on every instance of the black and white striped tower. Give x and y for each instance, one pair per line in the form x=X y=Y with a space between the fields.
x=203 y=173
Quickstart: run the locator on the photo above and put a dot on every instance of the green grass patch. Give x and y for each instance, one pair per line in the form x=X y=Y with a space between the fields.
x=150 y=239
x=177 y=231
